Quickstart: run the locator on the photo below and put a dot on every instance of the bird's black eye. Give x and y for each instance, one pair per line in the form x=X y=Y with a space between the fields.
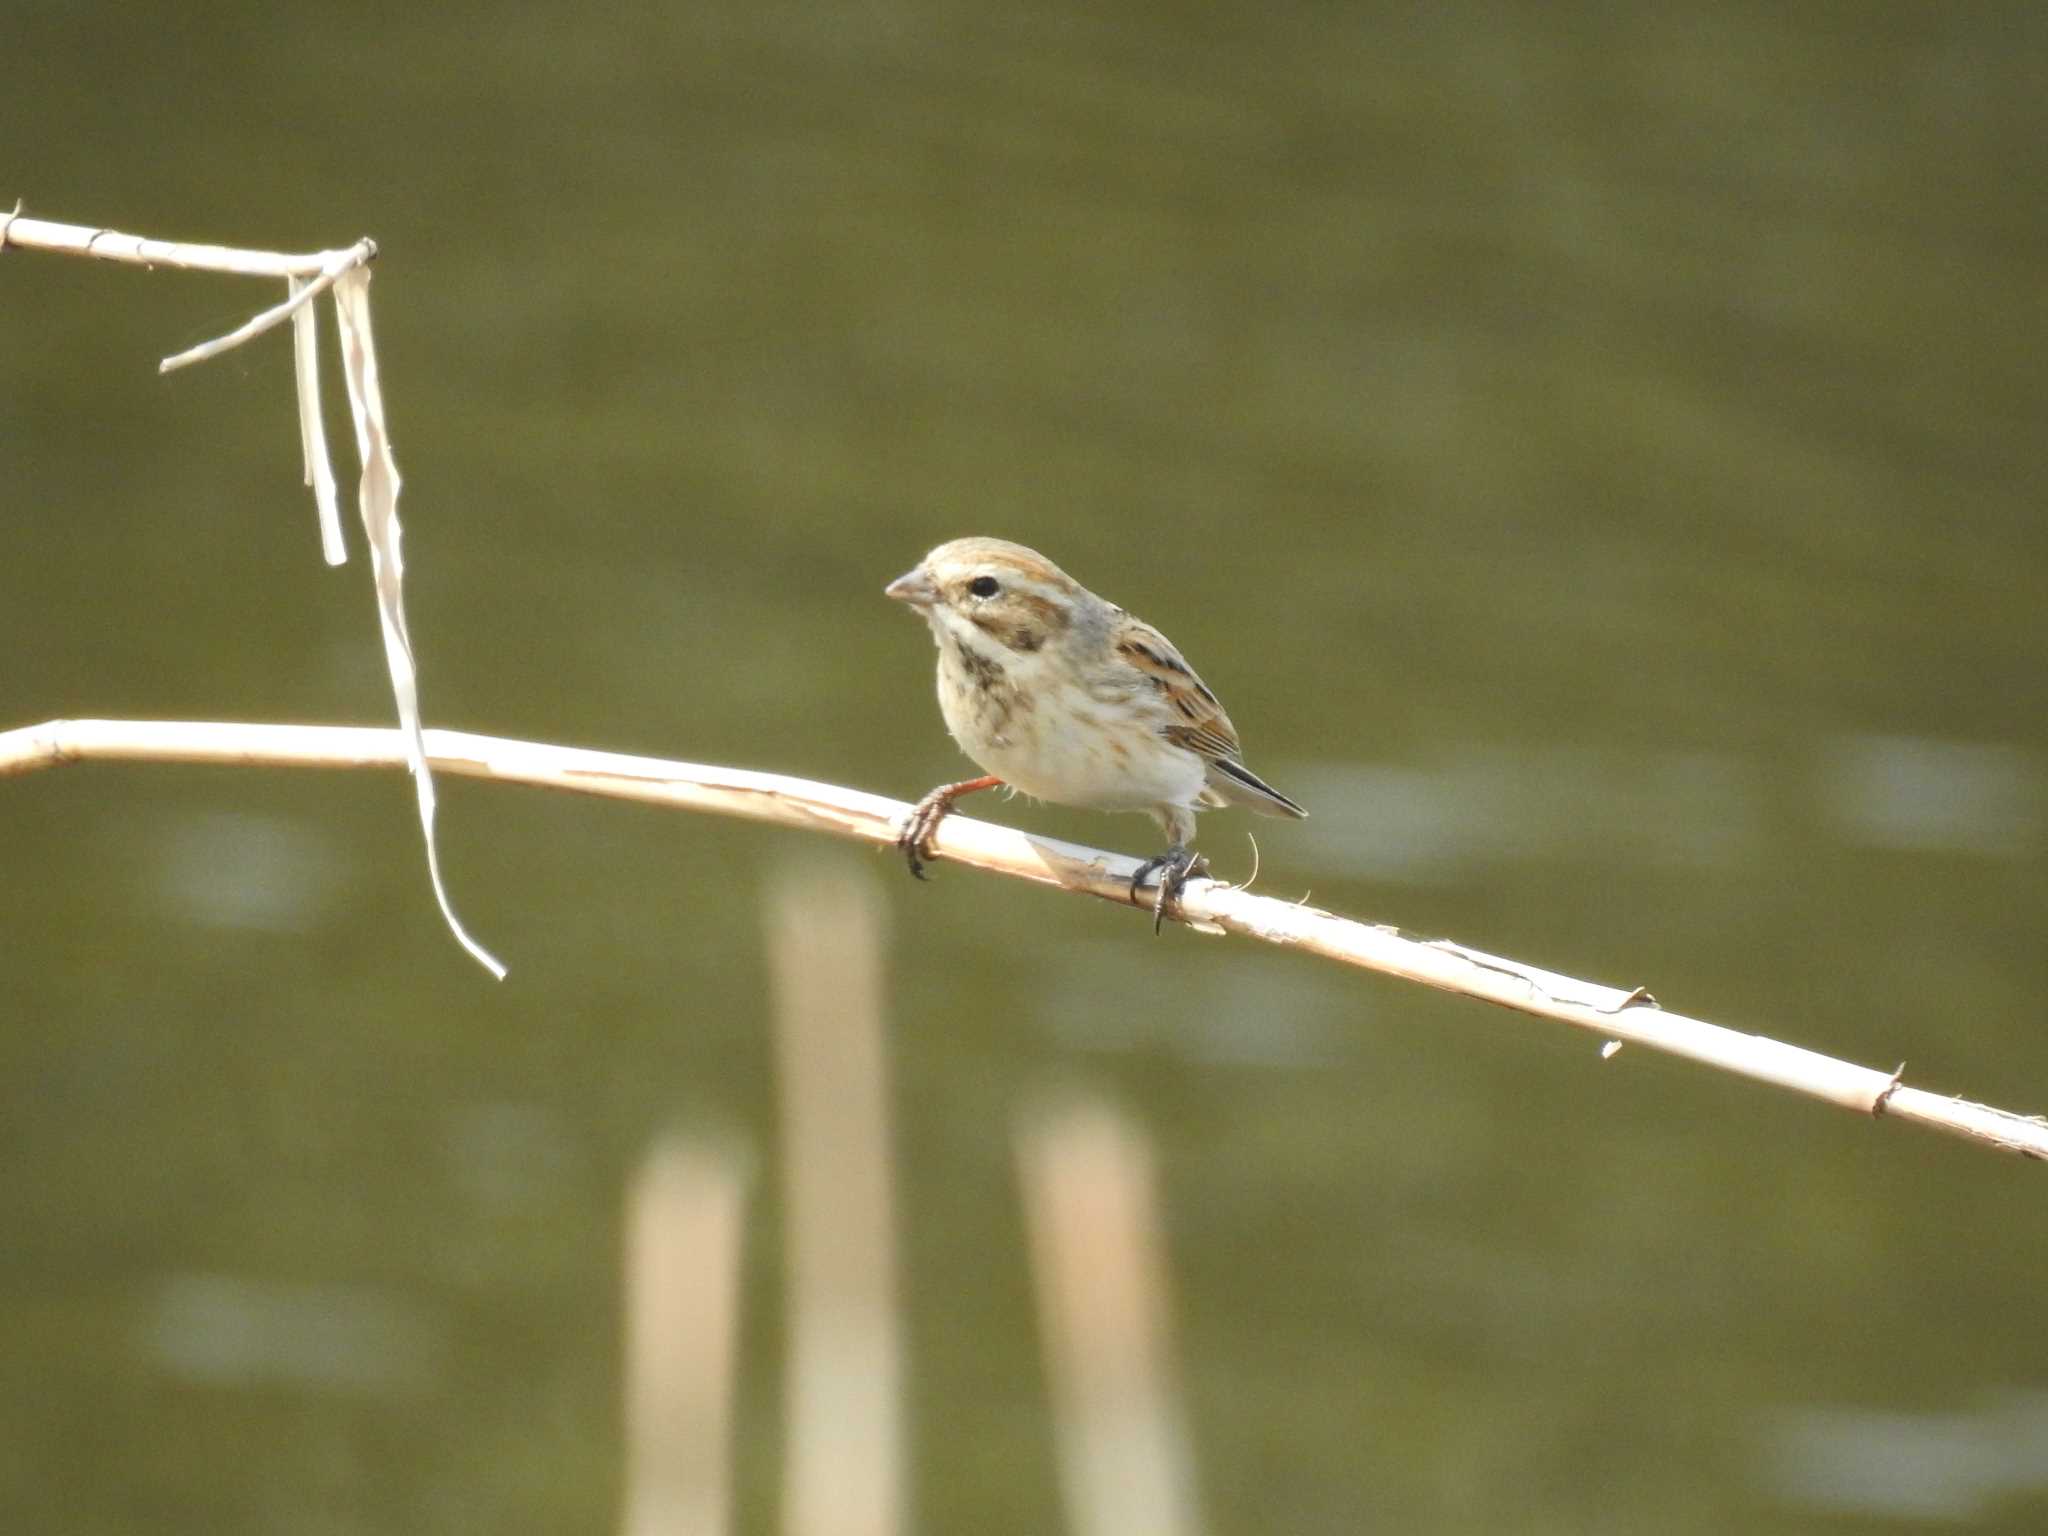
x=983 y=586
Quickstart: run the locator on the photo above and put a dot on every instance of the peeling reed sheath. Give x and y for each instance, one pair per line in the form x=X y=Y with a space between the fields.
x=843 y=1455
x=685 y=1230
x=1098 y=1263
x=1608 y=1014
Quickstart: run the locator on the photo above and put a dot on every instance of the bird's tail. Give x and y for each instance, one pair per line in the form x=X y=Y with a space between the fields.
x=1231 y=783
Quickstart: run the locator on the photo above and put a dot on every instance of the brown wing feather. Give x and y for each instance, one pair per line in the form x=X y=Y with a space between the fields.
x=1202 y=725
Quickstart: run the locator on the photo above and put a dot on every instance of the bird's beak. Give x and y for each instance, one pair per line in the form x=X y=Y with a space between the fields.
x=914 y=588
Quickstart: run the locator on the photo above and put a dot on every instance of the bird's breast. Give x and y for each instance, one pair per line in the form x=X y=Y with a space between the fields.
x=1045 y=735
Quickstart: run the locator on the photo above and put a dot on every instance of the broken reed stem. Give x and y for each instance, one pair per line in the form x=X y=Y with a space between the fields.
x=303 y=292
x=310 y=273
x=140 y=251
x=1208 y=906
x=307 y=276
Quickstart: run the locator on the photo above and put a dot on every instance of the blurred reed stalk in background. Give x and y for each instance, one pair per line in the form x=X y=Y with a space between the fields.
x=1097 y=1256
x=685 y=1229
x=843 y=1456
x=1099 y=1262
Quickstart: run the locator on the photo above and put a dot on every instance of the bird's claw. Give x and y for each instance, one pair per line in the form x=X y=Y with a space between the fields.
x=916 y=837
x=1175 y=868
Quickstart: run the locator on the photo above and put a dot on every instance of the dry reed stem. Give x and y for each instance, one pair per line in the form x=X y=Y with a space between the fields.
x=1608 y=1013
x=141 y=251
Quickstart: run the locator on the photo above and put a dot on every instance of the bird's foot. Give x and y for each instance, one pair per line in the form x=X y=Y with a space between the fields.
x=916 y=837
x=1175 y=868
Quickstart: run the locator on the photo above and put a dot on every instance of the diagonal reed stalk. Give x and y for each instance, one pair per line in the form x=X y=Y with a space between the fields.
x=1612 y=1014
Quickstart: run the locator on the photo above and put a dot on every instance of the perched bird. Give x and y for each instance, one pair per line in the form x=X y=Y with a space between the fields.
x=1064 y=696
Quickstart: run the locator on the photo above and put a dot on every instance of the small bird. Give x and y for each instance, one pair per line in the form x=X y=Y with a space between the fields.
x=1062 y=695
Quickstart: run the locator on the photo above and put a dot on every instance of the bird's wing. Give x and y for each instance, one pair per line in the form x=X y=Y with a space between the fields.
x=1199 y=724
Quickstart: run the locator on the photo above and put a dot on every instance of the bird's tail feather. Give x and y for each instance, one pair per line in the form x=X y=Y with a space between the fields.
x=1232 y=783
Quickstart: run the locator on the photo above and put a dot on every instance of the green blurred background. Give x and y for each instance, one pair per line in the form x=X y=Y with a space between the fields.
x=1596 y=451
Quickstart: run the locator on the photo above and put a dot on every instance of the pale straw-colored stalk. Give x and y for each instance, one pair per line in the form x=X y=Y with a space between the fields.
x=1610 y=1014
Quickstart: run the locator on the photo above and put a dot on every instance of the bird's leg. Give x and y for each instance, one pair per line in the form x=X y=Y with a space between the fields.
x=916 y=837
x=1175 y=868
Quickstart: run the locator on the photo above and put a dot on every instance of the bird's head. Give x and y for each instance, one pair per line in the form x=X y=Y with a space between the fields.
x=989 y=594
